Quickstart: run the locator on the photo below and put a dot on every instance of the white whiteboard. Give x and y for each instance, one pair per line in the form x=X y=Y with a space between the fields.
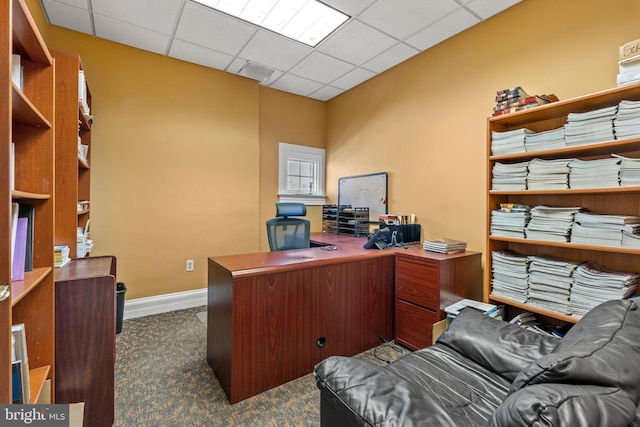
x=365 y=191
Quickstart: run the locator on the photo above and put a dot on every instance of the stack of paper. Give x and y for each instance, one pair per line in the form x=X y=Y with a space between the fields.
x=445 y=245
x=629 y=171
x=510 y=177
x=599 y=173
x=548 y=174
x=61 y=255
x=627 y=121
x=594 y=285
x=510 y=220
x=630 y=240
x=551 y=223
x=508 y=142
x=510 y=277
x=607 y=230
x=550 y=282
x=590 y=127
x=546 y=140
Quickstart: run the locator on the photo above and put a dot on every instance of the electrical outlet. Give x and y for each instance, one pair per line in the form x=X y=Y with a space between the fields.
x=189 y=265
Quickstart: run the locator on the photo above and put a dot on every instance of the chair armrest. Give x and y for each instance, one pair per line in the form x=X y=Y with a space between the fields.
x=565 y=405
x=497 y=345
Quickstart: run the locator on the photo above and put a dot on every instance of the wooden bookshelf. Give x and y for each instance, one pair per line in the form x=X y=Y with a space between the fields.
x=73 y=173
x=613 y=201
x=26 y=119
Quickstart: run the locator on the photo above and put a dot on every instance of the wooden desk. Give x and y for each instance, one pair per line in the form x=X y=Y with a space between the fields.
x=272 y=316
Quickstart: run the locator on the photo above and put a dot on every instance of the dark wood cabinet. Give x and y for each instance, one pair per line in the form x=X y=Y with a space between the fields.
x=85 y=295
x=426 y=283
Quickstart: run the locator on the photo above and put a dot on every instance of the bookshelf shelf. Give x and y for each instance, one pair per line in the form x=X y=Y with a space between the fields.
x=20 y=288
x=37 y=380
x=610 y=201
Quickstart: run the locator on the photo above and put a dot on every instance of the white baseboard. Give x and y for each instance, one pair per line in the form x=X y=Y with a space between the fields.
x=140 y=307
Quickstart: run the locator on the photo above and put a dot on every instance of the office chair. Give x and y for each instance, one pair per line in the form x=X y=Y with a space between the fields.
x=286 y=232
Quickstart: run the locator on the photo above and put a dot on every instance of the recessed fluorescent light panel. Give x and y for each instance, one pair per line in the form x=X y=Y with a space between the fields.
x=307 y=21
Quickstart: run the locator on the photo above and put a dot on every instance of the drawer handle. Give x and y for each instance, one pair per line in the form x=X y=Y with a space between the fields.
x=5 y=291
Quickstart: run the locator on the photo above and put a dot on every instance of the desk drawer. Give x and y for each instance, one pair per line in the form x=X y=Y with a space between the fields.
x=417 y=282
x=414 y=325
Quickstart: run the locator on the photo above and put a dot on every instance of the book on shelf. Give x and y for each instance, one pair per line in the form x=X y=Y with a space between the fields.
x=20 y=250
x=28 y=211
x=17 y=383
x=445 y=245
x=19 y=354
x=16 y=70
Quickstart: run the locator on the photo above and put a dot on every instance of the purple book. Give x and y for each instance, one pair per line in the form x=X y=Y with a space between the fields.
x=20 y=250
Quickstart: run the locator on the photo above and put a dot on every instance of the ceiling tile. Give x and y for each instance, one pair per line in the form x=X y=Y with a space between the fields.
x=297 y=85
x=156 y=15
x=274 y=51
x=326 y=93
x=447 y=27
x=402 y=18
x=353 y=78
x=131 y=35
x=203 y=26
x=199 y=55
x=390 y=58
x=350 y=7
x=488 y=8
x=80 y=4
x=321 y=68
x=69 y=17
x=356 y=43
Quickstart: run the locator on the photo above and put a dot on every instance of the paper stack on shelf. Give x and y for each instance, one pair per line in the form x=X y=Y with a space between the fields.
x=509 y=176
x=595 y=284
x=628 y=63
x=606 y=230
x=548 y=174
x=590 y=127
x=627 y=121
x=599 y=173
x=445 y=245
x=550 y=282
x=545 y=140
x=510 y=277
x=508 y=142
x=629 y=171
x=61 y=255
x=509 y=220
x=551 y=223
x=490 y=310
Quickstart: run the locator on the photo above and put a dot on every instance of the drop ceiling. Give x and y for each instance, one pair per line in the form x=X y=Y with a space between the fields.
x=378 y=35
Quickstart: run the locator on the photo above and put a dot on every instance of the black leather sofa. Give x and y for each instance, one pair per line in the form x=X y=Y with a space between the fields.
x=486 y=372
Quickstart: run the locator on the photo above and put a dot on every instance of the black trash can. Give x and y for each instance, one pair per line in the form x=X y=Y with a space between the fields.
x=121 y=290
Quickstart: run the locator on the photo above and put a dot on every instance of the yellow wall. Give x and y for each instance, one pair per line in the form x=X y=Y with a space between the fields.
x=424 y=121
x=180 y=159
x=286 y=118
x=184 y=158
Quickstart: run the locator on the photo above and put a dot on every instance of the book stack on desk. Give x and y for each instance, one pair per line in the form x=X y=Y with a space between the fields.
x=445 y=245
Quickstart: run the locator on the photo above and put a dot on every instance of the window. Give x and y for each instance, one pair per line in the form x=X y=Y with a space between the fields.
x=301 y=174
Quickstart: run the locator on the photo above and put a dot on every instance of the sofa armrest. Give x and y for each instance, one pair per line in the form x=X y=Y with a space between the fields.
x=365 y=394
x=495 y=344
x=555 y=404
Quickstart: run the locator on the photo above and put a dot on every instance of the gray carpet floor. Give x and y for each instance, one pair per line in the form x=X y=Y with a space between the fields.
x=163 y=379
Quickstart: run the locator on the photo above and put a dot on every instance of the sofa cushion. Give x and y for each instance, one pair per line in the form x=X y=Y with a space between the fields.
x=494 y=344
x=565 y=405
x=602 y=349
x=430 y=387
